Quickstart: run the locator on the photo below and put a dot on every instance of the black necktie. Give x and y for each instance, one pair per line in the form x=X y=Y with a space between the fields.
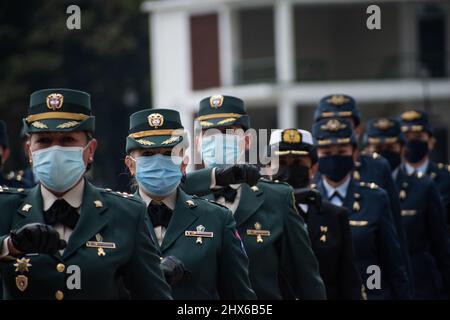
x=159 y=214
x=62 y=212
x=228 y=193
x=337 y=194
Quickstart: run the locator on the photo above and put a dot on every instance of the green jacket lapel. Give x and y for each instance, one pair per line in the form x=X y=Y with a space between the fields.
x=150 y=225
x=250 y=201
x=91 y=219
x=30 y=211
x=182 y=217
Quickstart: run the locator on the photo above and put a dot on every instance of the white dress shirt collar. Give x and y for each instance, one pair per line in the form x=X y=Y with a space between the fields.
x=422 y=169
x=74 y=197
x=169 y=201
x=341 y=189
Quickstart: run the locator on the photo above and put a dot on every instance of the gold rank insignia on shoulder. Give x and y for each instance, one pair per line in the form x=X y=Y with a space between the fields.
x=100 y=245
x=258 y=232
x=333 y=125
x=356 y=175
x=338 y=100
x=55 y=101
x=200 y=233
x=291 y=136
x=216 y=101
x=155 y=120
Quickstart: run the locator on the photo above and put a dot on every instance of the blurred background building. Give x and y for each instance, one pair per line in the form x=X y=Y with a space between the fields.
x=282 y=56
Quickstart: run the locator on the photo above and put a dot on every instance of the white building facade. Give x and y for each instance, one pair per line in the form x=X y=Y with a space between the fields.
x=282 y=56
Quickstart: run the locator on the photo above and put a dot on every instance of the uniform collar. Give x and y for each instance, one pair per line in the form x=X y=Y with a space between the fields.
x=395 y=173
x=169 y=201
x=74 y=197
x=422 y=169
x=341 y=189
x=304 y=207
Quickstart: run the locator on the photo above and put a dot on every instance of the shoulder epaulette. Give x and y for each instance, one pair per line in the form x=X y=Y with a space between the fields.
x=371 y=185
x=4 y=189
x=120 y=194
x=16 y=176
x=276 y=181
x=209 y=201
x=443 y=166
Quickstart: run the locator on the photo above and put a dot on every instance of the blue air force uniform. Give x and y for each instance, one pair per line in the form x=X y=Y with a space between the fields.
x=369 y=167
x=424 y=222
x=375 y=237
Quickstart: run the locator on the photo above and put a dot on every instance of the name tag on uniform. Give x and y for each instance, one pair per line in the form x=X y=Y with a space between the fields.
x=408 y=213
x=103 y=245
x=358 y=223
x=199 y=234
x=100 y=245
x=258 y=232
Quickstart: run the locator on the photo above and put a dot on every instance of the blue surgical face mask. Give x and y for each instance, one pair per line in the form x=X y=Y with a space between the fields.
x=219 y=150
x=158 y=175
x=59 y=168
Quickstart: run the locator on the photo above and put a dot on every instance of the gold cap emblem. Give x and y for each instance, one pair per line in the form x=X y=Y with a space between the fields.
x=155 y=120
x=333 y=125
x=216 y=101
x=338 y=100
x=411 y=115
x=383 y=124
x=55 y=101
x=292 y=136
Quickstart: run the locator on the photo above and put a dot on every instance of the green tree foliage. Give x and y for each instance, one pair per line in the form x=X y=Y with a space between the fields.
x=108 y=57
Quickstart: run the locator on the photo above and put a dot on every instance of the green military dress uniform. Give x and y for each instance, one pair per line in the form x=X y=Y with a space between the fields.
x=202 y=234
x=282 y=263
x=110 y=243
x=112 y=217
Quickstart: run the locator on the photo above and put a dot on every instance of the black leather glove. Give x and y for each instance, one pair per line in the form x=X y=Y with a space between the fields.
x=238 y=173
x=308 y=196
x=173 y=269
x=37 y=238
